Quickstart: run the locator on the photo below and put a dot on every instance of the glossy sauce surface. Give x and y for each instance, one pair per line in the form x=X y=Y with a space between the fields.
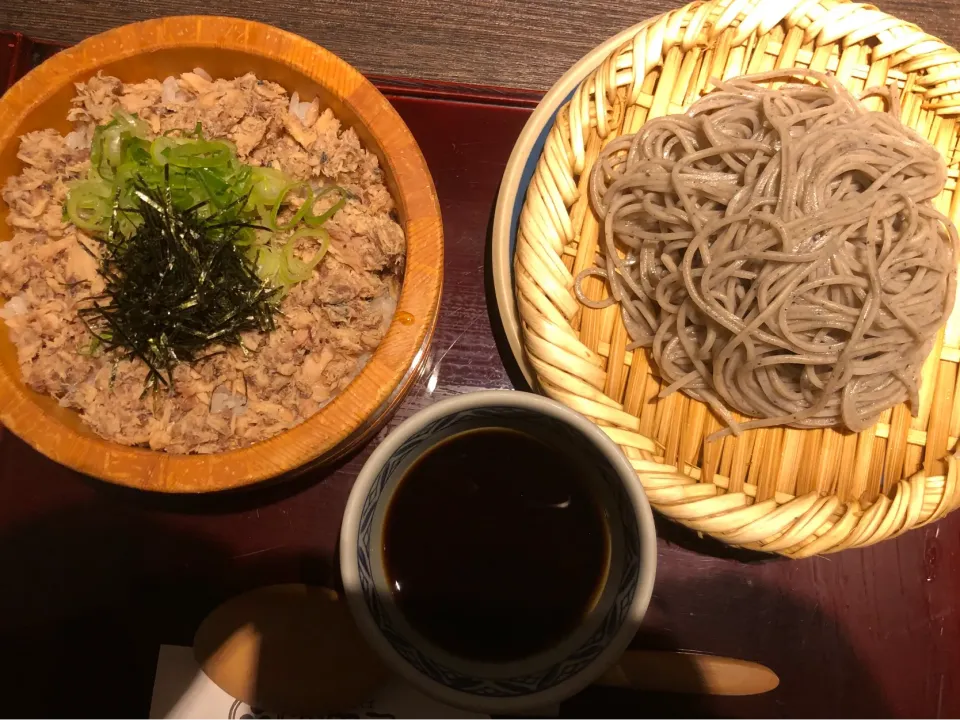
x=494 y=545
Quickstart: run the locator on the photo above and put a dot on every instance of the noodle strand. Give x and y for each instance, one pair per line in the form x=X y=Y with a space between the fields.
x=778 y=251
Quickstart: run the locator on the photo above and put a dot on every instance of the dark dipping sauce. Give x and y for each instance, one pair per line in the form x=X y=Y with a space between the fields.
x=494 y=545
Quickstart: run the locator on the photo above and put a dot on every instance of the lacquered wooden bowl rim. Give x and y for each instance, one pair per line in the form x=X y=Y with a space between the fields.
x=22 y=411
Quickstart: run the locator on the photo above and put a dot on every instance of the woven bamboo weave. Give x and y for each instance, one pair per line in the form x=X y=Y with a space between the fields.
x=780 y=490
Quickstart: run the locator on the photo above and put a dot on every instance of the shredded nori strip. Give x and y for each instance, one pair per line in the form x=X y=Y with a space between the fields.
x=177 y=285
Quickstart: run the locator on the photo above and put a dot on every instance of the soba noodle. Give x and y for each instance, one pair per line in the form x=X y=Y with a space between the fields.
x=778 y=251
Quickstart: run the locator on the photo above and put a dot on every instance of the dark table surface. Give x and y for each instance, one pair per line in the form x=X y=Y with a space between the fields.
x=94 y=579
x=514 y=43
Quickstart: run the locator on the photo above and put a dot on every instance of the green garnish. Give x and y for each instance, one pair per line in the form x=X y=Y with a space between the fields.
x=176 y=285
x=198 y=173
x=195 y=250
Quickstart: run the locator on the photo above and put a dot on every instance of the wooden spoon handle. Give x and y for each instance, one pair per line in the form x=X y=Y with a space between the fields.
x=686 y=672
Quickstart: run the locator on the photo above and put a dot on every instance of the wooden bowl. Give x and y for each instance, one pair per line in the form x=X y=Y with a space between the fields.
x=229 y=47
x=783 y=490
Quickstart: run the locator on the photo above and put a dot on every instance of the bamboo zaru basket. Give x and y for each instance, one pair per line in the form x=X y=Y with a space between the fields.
x=789 y=491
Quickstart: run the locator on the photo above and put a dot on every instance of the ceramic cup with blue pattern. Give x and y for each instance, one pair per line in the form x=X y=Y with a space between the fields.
x=549 y=676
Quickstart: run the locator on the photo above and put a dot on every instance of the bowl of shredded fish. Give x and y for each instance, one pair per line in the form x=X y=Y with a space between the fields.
x=206 y=258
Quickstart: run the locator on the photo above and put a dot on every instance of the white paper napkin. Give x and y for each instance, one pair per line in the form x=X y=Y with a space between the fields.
x=182 y=690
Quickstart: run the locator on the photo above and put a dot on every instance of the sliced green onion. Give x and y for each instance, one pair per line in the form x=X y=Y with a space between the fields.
x=295 y=269
x=264 y=213
x=113 y=145
x=298 y=215
x=268 y=263
x=107 y=148
x=317 y=220
x=248 y=237
x=206 y=178
x=216 y=187
x=124 y=174
x=268 y=183
x=203 y=153
x=96 y=150
x=130 y=123
x=135 y=150
x=159 y=148
x=89 y=205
